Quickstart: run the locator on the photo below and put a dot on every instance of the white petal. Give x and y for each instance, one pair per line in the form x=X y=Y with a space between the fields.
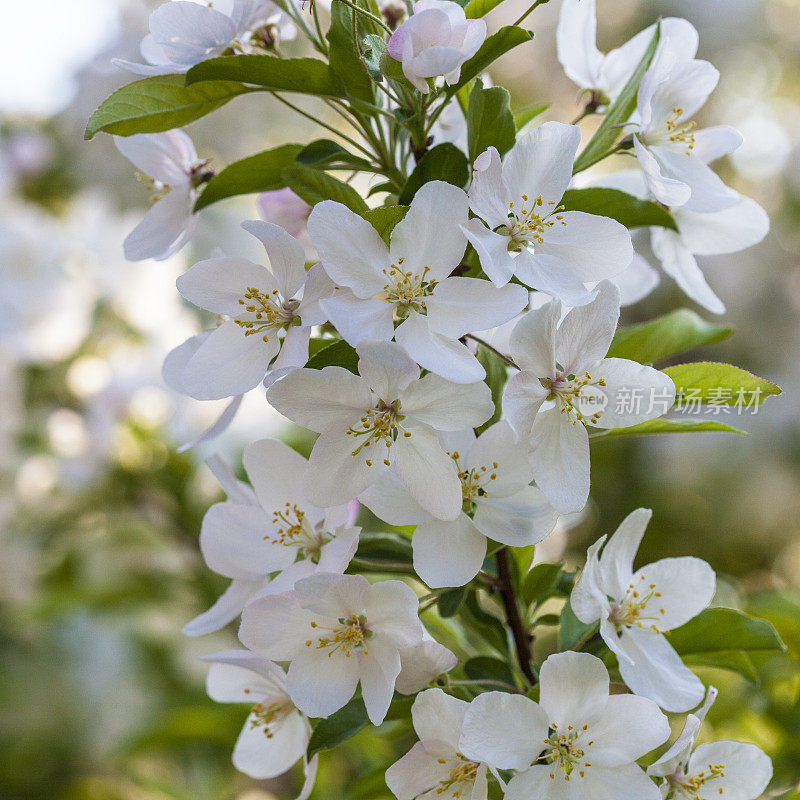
x=438 y=716
x=427 y=472
x=588 y=599
x=350 y=249
x=523 y=396
x=332 y=596
x=275 y=626
x=191 y=32
x=423 y=663
x=715 y=142
x=536 y=782
x=636 y=282
x=616 y=564
x=389 y=500
x=573 y=688
x=236 y=683
x=261 y=757
x=742 y=225
x=228 y=363
x=446 y=357
x=429 y=234
x=656 y=671
x=460 y=540
x=464 y=305
x=709 y=193
x=217 y=427
x=498 y=444
x=218 y=284
x=386 y=368
x=177 y=359
x=359 y=320
x=166 y=227
x=165 y=157
x=321 y=400
x=225 y=610
x=575 y=37
x=321 y=681
x=524 y=518
x=626 y=782
x=552 y=275
x=380 y=666
x=293 y=354
x=391 y=608
x=629 y=728
x=665 y=189
x=503 y=730
x=635 y=392
x=415 y=773
x=447 y=406
x=492 y=250
x=748 y=770
x=338 y=553
x=532 y=342
x=560 y=460
x=488 y=194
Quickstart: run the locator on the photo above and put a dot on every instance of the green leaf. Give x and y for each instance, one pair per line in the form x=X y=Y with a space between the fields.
x=338 y=354
x=714 y=383
x=339 y=727
x=658 y=338
x=540 y=583
x=450 y=601
x=496 y=379
x=489 y=668
x=343 y=56
x=733 y=660
x=669 y=426
x=160 y=103
x=385 y=219
x=489 y=120
x=571 y=630
x=496 y=45
x=522 y=118
x=300 y=75
x=619 y=112
x=718 y=630
x=621 y=206
x=374 y=48
x=314 y=186
x=384 y=547
x=445 y=162
x=327 y=153
x=475 y=9
x=258 y=173
x=490 y=628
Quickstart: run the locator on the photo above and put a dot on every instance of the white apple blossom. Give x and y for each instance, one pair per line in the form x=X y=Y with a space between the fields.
x=269 y=529
x=422 y=663
x=577 y=742
x=337 y=631
x=276 y=734
x=185 y=32
x=257 y=304
x=565 y=384
x=734 y=228
x=733 y=770
x=636 y=609
x=497 y=503
x=436 y=40
x=527 y=233
x=434 y=767
x=169 y=164
x=672 y=152
x=606 y=74
x=385 y=416
x=408 y=282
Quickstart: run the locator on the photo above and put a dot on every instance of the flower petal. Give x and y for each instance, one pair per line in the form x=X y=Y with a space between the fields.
x=748 y=770
x=635 y=393
x=438 y=717
x=263 y=757
x=359 y=320
x=321 y=681
x=229 y=605
x=573 y=688
x=165 y=229
x=286 y=255
x=629 y=728
x=447 y=406
x=520 y=520
x=464 y=545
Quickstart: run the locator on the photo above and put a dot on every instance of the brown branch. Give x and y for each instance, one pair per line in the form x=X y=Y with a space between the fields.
x=522 y=637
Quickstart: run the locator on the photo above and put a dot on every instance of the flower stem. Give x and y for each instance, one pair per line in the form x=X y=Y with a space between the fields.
x=531 y=8
x=367 y=14
x=505 y=358
x=522 y=637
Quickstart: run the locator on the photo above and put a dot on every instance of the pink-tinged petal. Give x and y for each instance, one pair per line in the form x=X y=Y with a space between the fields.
x=351 y=251
x=321 y=400
x=503 y=730
x=226 y=608
x=165 y=229
x=427 y=472
x=460 y=539
x=380 y=666
x=560 y=460
x=359 y=320
x=429 y=234
x=573 y=688
x=465 y=305
x=218 y=284
x=321 y=681
x=286 y=255
x=679 y=263
x=442 y=355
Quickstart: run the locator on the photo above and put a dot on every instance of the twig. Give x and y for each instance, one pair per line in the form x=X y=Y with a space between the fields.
x=522 y=637
x=531 y=8
x=505 y=358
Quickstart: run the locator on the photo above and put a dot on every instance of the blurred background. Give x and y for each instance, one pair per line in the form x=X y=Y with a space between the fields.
x=102 y=695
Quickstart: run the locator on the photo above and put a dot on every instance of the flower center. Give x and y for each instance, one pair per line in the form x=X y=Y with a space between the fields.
x=406 y=290
x=269 y=716
x=679 y=132
x=580 y=398
x=379 y=424
x=529 y=224
x=158 y=191
x=474 y=481
x=565 y=751
x=351 y=634
x=269 y=312
x=631 y=611
x=295 y=531
x=688 y=785
x=464 y=772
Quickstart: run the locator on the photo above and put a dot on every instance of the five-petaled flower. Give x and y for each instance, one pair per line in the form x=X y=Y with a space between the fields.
x=497 y=503
x=409 y=284
x=636 y=609
x=436 y=40
x=565 y=383
x=577 y=742
x=386 y=416
x=527 y=231
x=337 y=631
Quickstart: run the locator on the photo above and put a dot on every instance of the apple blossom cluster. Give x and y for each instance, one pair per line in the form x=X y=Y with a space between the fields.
x=455 y=346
